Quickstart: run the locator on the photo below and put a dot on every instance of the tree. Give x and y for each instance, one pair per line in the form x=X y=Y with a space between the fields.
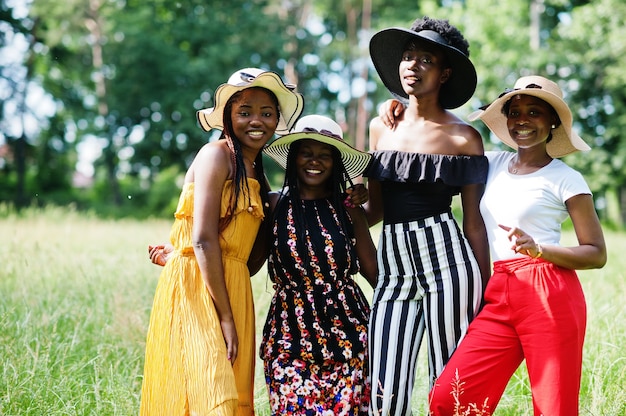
x=65 y=62
x=15 y=80
x=592 y=50
x=167 y=57
x=133 y=73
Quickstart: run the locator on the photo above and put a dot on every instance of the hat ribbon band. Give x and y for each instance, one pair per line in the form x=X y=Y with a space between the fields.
x=323 y=131
x=508 y=90
x=434 y=36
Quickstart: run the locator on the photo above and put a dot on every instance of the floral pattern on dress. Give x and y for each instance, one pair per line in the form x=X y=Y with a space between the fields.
x=315 y=337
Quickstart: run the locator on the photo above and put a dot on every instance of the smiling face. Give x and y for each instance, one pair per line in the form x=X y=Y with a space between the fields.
x=254 y=115
x=529 y=120
x=423 y=69
x=314 y=167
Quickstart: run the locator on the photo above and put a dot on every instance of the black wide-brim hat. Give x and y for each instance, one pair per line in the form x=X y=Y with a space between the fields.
x=387 y=47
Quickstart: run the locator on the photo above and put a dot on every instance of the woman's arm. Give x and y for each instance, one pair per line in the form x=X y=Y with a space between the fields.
x=260 y=248
x=374 y=206
x=474 y=228
x=590 y=253
x=211 y=169
x=365 y=249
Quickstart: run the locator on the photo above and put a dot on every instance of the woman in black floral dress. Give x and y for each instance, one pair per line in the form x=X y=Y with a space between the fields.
x=315 y=338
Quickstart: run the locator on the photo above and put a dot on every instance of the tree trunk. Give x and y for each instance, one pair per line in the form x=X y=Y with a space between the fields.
x=94 y=24
x=621 y=192
x=362 y=121
x=20 y=168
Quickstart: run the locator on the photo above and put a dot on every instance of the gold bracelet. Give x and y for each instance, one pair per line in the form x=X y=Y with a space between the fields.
x=539 y=251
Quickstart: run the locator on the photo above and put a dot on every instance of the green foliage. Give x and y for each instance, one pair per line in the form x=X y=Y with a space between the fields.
x=162 y=60
x=167 y=58
x=164 y=192
x=595 y=75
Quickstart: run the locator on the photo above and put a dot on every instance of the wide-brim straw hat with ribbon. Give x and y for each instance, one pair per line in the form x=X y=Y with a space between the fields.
x=387 y=47
x=325 y=130
x=290 y=102
x=564 y=139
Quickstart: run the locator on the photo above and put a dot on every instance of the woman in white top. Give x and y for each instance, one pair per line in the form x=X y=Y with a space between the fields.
x=534 y=305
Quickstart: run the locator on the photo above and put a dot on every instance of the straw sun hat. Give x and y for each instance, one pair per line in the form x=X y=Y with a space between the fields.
x=291 y=103
x=324 y=130
x=564 y=139
x=387 y=47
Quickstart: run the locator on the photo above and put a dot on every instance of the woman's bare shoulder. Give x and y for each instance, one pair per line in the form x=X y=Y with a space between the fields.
x=467 y=138
x=213 y=156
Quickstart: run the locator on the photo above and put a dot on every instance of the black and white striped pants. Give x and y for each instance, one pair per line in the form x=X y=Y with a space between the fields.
x=429 y=281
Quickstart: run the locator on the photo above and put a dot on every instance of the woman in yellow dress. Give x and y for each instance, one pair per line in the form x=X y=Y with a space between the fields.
x=200 y=346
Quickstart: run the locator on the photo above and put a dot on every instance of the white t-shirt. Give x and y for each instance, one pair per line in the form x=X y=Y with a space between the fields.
x=534 y=202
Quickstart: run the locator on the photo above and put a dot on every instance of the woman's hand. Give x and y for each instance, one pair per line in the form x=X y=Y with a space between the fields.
x=357 y=196
x=389 y=111
x=522 y=242
x=160 y=254
x=230 y=338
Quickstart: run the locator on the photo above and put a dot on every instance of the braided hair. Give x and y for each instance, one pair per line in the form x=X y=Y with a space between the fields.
x=336 y=185
x=240 y=179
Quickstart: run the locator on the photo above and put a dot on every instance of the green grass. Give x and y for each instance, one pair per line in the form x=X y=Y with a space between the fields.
x=75 y=299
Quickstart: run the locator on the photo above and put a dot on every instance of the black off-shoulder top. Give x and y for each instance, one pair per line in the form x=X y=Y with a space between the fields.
x=417 y=185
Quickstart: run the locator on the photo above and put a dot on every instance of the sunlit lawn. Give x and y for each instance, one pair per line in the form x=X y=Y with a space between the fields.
x=75 y=298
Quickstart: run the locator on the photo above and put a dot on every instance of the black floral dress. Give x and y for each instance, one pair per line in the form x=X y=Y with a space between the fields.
x=315 y=337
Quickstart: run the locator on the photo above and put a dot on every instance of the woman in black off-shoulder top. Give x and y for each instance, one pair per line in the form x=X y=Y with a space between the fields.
x=431 y=274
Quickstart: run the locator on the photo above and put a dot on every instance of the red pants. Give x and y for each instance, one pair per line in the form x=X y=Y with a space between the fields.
x=533 y=310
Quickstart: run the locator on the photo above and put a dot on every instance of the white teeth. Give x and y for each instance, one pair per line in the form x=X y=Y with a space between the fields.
x=313 y=171
x=256 y=133
x=524 y=132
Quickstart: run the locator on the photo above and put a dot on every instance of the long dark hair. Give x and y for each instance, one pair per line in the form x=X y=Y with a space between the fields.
x=336 y=186
x=240 y=179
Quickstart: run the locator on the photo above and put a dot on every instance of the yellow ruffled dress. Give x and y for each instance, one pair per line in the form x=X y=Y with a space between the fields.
x=186 y=371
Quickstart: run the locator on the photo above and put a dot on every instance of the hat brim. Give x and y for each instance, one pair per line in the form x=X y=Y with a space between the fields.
x=355 y=161
x=564 y=139
x=387 y=47
x=291 y=103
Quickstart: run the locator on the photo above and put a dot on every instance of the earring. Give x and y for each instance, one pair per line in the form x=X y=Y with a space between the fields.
x=554 y=126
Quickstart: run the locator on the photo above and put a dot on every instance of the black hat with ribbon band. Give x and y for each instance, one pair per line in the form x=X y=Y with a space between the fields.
x=387 y=47
x=290 y=103
x=564 y=139
x=325 y=130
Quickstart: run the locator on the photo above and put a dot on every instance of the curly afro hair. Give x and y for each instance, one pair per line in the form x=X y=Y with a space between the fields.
x=450 y=33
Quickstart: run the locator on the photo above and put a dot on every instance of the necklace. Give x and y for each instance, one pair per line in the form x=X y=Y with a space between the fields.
x=533 y=167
